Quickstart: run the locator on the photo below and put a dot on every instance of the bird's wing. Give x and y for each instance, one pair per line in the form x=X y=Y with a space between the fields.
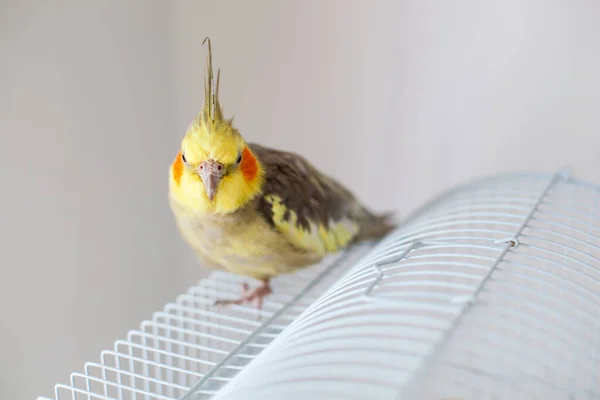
x=310 y=209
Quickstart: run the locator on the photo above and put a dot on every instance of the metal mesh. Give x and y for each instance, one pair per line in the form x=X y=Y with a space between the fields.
x=492 y=291
x=191 y=343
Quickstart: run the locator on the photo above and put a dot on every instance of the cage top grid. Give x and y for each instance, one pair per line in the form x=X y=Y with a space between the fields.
x=191 y=342
x=491 y=291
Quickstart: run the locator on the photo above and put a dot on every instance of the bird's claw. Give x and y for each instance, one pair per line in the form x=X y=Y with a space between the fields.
x=257 y=295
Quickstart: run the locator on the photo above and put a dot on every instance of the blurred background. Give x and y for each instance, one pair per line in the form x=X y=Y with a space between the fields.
x=399 y=100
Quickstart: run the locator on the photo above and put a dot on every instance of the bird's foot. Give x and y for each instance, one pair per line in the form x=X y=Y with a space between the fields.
x=257 y=295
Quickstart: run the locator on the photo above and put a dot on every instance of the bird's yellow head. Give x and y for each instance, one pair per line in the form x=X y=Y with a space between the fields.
x=215 y=171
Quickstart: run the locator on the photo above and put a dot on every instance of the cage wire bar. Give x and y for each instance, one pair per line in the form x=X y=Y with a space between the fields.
x=490 y=291
x=191 y=341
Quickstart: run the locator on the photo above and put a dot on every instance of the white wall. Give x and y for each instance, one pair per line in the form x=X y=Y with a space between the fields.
x=88 y=247
x=398 y=99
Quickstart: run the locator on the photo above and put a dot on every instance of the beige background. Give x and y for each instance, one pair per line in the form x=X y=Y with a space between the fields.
x=398 y=99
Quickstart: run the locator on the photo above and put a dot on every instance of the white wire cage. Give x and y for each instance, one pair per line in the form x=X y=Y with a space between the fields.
x=491 y=291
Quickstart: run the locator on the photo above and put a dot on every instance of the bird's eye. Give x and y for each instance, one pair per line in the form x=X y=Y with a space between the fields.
x=183 y=158
x=239 y=159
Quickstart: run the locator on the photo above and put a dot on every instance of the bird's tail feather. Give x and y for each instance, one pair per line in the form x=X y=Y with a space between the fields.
x=376 y=226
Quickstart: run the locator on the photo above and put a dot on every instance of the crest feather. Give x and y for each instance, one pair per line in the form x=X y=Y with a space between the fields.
x=212 y=110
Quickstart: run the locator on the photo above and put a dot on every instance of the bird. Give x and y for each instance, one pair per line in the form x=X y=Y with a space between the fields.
x=257 y=211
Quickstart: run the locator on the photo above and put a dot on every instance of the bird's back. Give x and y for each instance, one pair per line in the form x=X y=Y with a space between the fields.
x=313 y=211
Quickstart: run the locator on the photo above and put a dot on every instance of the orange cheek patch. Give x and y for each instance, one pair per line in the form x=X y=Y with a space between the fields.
x=249 y=165
x=177 y=167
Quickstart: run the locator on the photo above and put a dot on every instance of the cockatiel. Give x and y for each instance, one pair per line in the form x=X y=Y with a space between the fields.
x=256 y=211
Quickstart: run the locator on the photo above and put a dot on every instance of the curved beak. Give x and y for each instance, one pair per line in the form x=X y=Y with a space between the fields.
x=210 y=172
x=210 y=185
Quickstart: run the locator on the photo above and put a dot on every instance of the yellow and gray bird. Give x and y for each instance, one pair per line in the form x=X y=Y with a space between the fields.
x=257 y=211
